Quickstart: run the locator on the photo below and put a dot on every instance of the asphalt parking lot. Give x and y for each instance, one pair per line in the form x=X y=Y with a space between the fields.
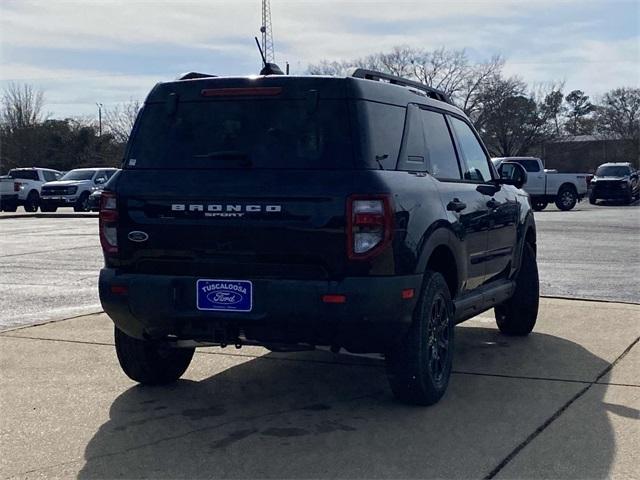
x=561 y=403
x=49 y=266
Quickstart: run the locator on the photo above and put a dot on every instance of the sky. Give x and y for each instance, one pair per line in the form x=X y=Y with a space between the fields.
x=112 y=51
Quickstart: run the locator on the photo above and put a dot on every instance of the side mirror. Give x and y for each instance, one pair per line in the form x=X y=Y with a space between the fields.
x=512 y=173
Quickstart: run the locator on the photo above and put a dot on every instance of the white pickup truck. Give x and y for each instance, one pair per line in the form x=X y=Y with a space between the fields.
x=546 y=186
x=8 y=194
x=30 y=181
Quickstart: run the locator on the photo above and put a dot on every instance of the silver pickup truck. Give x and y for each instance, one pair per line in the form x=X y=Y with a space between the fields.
x=547 y=186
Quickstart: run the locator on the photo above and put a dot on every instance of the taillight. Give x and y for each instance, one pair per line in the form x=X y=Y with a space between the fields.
x=369 y=225
x=109 y=222
x=16 y=186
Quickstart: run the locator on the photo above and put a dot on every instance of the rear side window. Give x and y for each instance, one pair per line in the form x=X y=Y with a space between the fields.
x=24 y=174
x=380 y=128
x=477 y=165
x=441 y=155
x=529 y=165
x=243 y=133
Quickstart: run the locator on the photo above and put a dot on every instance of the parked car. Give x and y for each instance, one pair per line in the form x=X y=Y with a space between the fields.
x=73 y=189
x=359 y=213
x=615 y=181
x=30 y=181
x=546 y=186
x=8 y=194
x=93 y=204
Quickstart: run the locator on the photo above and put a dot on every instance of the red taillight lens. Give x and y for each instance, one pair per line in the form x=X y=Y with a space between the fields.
x=16 y=186
x=109 y=222
x=369 y=225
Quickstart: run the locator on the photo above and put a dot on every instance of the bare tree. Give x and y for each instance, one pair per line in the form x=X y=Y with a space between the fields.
x=447 y=70
x=618 y=114
x=21 y=106
x=119 y=119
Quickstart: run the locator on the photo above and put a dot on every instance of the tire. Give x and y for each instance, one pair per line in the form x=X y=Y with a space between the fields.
x=419 y=367
x=48 y=208
x=517 y=316
x=629 y=199
x=32 y=202
x=567 y=198
x=539 y=206
x=10 y=208
x=151 y=363
x=82 y=204
x=593 y=200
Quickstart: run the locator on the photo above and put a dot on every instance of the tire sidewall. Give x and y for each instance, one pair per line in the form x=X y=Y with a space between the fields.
x=560 y=199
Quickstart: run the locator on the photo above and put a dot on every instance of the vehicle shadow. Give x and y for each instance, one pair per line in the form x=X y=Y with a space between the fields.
x=305 y=416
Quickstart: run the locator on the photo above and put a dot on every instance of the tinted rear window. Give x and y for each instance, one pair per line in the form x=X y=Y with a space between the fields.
x=243 y=133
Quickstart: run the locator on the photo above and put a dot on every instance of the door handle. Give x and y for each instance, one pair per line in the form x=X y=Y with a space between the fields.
x=456 y=205
x=492 y=203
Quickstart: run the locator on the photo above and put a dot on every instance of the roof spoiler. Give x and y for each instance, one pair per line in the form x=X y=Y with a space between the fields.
x=384 y=77
x=192 y=75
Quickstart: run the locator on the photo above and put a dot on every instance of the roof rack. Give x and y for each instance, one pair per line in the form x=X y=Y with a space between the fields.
x=384 y=77
x=192 y=75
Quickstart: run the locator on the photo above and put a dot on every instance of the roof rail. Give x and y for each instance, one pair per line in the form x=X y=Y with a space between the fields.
x=192 y=75
x=379 y=76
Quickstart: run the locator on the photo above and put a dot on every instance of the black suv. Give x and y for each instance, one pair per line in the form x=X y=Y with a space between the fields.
x=358 y=213
x=615 y=181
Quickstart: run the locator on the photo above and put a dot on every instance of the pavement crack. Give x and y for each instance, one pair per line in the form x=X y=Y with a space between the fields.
x=557 y=414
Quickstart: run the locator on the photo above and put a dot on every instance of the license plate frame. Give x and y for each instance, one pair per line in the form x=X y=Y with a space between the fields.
x=224 y=295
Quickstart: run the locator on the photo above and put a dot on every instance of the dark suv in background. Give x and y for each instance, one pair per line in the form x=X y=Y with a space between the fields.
x=358 y=213
x=615 y=181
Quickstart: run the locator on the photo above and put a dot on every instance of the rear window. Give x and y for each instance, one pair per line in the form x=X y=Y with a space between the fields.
x=24 y=174
x=243 y=133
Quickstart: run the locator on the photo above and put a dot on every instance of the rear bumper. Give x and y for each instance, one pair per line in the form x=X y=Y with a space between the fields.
x=289 y=312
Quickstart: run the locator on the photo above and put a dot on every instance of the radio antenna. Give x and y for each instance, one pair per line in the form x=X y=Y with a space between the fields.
x=264 y=60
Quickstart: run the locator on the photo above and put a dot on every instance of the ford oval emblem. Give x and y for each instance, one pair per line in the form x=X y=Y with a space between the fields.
x=225 y=297
x=138 y=236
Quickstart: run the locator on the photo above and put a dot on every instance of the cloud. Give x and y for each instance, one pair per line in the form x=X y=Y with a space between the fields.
x=109 y=51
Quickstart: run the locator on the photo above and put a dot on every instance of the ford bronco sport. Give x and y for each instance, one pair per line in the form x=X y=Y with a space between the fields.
x=358 y=213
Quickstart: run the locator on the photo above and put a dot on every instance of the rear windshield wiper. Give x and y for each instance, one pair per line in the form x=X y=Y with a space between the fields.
x=223 y=154
x=234 y=155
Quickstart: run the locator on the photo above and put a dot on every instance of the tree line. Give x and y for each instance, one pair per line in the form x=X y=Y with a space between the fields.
x=28 y=137
x=512 y=117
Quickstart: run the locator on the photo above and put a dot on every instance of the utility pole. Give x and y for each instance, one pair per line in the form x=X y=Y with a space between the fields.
x=99 y=119
x=267 y=33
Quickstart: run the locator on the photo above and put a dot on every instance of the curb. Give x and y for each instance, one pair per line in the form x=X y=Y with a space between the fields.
x=50 y=215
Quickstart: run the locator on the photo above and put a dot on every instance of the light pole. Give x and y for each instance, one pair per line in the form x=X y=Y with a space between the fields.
x=99 y=119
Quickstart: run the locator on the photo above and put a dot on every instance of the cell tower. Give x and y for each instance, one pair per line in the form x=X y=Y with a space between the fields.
x=267 y=32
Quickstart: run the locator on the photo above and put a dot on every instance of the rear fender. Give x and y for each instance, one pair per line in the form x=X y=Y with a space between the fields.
x=436 y=236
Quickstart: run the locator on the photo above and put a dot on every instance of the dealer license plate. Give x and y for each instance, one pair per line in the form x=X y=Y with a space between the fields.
x=224 y=295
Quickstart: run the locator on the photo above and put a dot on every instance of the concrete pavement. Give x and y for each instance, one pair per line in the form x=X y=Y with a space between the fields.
x=563 y=402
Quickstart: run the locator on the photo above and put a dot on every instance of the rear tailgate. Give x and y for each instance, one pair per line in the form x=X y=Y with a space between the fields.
x=234 y=223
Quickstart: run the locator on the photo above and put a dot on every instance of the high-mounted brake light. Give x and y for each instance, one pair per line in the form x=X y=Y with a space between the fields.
x=242 y=92
x=108 y=222
x=369 y=225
